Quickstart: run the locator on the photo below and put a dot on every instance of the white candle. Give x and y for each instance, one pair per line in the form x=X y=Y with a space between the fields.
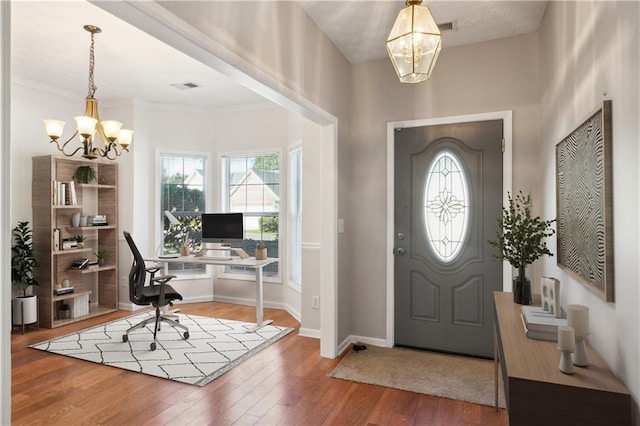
x=566 y=338
x=578 y=318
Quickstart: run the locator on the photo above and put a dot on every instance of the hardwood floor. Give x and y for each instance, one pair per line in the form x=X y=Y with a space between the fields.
x=286 y=383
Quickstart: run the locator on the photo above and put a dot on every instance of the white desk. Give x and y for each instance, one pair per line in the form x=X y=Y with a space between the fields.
x=251 y=262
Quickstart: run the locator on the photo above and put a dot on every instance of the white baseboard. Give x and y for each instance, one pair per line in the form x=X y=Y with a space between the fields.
x=293 y=313
x=235 y=300
x=309 y=332
x=128 y=306
x=248 y=302
x=194 y=299
x=362 y=339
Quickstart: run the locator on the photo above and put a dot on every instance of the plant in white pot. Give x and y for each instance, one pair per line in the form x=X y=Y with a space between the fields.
x=520 y=241
x=23 y=262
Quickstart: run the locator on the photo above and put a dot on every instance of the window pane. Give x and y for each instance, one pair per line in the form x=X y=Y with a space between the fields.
x=183 y=195
x=253 y=188
x=446 y=206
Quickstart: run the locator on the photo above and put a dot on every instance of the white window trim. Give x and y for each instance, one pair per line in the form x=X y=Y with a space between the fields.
x=157 y=230
x=297 y=286
x=282 y=220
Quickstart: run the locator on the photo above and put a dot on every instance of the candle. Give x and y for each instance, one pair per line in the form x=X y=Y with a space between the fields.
x=578 y=318
x=566 y=338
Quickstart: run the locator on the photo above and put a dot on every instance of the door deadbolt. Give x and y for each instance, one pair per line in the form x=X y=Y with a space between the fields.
x=400 y=235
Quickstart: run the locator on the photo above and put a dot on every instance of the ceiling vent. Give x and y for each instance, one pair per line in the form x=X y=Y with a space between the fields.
x=184 y=86
x=448 y=26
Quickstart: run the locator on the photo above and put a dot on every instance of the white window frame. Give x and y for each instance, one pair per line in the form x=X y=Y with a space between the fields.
x=294 y=217
x=158 y=229
x=224 y=194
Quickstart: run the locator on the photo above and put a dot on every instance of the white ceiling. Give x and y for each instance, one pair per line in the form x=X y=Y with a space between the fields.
x=360 y=28
x=53 y=52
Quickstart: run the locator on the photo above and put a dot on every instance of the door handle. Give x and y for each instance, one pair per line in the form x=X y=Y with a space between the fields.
x=400 y=251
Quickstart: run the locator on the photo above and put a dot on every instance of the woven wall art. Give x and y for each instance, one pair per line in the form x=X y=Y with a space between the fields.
x=584 y=203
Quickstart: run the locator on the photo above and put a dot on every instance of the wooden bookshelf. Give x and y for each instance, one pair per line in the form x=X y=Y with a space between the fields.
x=538 y=393
x=99 y=284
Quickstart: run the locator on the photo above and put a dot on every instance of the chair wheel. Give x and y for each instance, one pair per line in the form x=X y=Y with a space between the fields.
x=125 y=338
x=186 y=335
x=153 y=346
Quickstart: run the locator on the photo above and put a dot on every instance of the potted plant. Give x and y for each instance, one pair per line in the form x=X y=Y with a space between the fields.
x=520 y=241
x=23 y=262
x=101 y=255
x=85 y=174
x=261 y=251
x=80 y=240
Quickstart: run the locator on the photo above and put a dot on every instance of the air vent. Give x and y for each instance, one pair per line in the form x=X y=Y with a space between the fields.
x=448 y=26
x=185 y=86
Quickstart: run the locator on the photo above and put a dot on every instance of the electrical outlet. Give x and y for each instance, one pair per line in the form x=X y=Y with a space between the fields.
x=315 y=302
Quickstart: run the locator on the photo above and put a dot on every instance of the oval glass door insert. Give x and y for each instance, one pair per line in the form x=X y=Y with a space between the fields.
x=446 y=206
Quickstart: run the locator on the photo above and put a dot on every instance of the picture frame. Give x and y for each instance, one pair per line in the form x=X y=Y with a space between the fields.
x=584 y=203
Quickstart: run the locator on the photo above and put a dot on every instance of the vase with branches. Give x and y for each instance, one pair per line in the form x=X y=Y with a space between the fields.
x=520 y=240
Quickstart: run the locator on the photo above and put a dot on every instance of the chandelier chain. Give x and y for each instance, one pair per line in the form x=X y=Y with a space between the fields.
x=92 y=86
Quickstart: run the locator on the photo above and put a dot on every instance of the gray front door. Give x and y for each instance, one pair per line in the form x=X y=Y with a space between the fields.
x=448 y=194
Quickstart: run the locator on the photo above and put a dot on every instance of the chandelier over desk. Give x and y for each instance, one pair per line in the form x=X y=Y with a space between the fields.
x=115 y=140
x=414 y=43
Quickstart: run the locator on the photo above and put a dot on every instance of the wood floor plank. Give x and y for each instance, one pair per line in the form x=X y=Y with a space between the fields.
x=287 y=383
x=384 y=409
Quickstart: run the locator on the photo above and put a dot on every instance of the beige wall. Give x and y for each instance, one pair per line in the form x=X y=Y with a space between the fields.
x=485 y=77
x=5 y=213
x=550 y=80
x=305 y=72
x=590 y=51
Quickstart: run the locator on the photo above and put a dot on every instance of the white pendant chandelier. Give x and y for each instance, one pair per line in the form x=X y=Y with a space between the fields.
x=414 y=43
x=115 y=140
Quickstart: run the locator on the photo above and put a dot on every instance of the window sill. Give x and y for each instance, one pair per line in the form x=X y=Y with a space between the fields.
x=248 y=277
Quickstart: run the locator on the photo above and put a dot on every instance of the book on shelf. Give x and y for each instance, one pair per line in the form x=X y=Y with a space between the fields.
x=62 y=196
x=72 y=193
x=541 y=324
x=80 y=264
x=64 y=193
x=539 y=335
x=69 y=243
x=63 y=290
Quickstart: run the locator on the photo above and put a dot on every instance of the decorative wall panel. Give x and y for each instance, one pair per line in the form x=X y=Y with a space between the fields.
x=584 y=203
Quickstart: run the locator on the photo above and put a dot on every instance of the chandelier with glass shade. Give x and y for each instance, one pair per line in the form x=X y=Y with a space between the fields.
x=414 y=43
x=114 y=139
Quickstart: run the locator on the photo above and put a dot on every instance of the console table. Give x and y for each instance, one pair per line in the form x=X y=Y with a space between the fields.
x=538 y=393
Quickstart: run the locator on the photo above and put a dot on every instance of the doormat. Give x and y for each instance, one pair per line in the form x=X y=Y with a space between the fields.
x=431 y=373
x=214 y=346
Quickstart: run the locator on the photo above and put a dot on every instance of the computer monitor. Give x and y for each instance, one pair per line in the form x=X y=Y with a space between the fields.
x=222 y=228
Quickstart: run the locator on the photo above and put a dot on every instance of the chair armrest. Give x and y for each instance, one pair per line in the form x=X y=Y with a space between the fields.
x=162 y=280
x=153 y=269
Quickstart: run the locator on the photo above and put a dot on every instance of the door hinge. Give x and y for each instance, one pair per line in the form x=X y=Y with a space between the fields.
x=502 y=144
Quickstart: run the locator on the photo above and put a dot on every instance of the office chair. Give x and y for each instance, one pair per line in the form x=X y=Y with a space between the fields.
x=157 y=293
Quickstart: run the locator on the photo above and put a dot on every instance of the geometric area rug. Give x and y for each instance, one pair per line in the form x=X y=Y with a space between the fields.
x=214 y=346
x=448 y=376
